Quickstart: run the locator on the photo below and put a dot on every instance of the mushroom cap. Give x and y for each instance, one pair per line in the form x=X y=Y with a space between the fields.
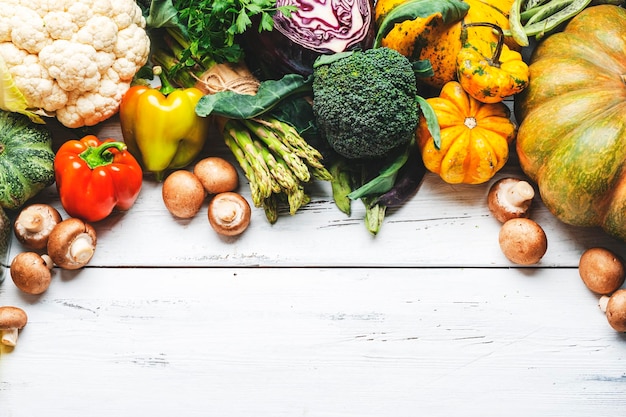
x=12 y=318
x=30 y=273
x=616 y=310
x=34 y=224
x=601 y=270
x=523 y=241
x=229 y=213
x=510 y=198
x=183 y=194
x=72 y=243
x=216 y=174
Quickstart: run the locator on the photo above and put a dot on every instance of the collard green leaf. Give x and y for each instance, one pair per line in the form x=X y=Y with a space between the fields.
x=232 y=105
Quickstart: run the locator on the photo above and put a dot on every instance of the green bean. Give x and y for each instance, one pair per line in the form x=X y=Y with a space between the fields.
x=548 y=10
x=540 y=28
x=517 y=30
x=531 y=4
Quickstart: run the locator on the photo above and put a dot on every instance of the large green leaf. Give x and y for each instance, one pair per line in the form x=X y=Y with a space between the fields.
x=233 y=105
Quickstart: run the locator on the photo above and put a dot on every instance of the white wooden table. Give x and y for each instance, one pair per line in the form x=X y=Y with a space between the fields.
x=313 y=316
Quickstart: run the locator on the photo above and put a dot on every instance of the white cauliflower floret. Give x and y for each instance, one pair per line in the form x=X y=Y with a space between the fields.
x=28 y=31
x=73 y=65
x=60 y=25
x=73 y=58
x=99 y=32
x=130 y=51
x=125 y=14
x=89 y=108
x=32 y=80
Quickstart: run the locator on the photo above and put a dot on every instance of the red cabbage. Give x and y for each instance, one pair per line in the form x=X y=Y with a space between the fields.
x=317 y=27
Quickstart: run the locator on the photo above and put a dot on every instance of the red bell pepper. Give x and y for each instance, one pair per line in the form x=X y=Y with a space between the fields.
x=94 y=177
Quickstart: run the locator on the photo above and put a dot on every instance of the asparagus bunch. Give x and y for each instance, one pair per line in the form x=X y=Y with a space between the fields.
x=276 y=160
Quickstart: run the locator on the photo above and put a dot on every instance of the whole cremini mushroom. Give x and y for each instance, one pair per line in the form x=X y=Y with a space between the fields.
x=31 y=272
x=72 y=243
x=601 y=270
x=615 y=309
x=510 y=198
x=34 y=224
x=216 y=174
x=183 y=194
x=229 y=213
x=12 y=320
x=523 y=241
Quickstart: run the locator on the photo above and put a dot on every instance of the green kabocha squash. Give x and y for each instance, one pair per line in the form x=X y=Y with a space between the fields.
x=26 y=159
x=572 y=133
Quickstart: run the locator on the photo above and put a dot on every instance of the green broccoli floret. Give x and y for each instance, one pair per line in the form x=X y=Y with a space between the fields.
x=365 y=104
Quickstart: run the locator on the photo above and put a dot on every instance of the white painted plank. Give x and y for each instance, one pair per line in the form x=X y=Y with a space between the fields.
x=313 y=342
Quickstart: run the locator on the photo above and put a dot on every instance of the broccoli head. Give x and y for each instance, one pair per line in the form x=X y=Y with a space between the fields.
x=365 y=103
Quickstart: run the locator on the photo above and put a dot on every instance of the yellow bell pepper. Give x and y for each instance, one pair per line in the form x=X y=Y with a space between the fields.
x=162 y=131
x=491 y=77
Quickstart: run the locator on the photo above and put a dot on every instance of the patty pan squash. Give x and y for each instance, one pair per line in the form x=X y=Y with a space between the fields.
x=572 y=134
x=475 y=137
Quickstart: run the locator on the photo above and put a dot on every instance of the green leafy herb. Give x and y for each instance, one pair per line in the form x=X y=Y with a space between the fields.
x=212 y=25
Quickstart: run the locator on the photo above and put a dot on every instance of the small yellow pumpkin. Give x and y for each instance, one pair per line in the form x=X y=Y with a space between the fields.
x=475 y=137
x=493 y=77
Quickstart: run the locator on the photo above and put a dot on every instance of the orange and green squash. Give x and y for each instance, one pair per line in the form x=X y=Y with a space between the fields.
x=440 y=42
x=494 y=77
x=475 y=137
x=572 y=115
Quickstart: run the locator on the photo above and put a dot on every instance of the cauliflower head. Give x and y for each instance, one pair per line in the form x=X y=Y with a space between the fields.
x=73 y=59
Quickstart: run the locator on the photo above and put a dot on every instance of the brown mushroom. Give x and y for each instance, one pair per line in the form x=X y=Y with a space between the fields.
x=216 y=174
x=34 y=224
x=615 y=309
x=601 y=270
x=183 y=194
x=229 y=213
x=523 y=241
x=72 y=243
x=12 y=320
x=510 y=198
x=31 y=272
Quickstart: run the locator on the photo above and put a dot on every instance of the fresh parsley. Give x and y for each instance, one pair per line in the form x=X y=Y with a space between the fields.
x=212 y=25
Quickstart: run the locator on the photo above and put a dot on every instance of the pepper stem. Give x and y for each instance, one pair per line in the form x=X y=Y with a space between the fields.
x=495 y=58
x=96 y=156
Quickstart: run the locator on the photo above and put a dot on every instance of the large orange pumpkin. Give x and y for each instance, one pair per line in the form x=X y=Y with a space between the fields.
x=572 y=134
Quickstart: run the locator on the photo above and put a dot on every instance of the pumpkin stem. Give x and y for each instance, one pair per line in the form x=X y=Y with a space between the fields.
x=495 y=58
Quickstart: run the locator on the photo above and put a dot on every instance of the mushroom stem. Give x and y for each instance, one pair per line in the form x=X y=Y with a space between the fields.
x=9 y=337
x=48 y=261
x=227 y=211
x=520 y=193
x=602 y=302
x=81 y=250
x=32 y=222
